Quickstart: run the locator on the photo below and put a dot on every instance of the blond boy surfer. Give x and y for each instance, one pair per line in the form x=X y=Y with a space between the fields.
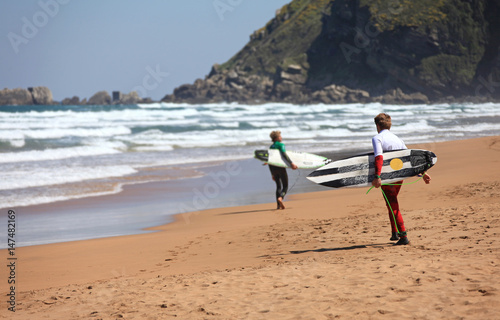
x=385 y=140
x=279 y=174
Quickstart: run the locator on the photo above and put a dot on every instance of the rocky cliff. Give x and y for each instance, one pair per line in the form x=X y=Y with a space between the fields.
x=339 y=51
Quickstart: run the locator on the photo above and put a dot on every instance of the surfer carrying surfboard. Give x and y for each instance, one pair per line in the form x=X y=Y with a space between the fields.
x=279 y=174
x=385 y=140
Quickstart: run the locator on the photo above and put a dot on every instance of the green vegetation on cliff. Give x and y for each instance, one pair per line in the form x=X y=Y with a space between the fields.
x=283 y=41
x=459 y=27
x=390 y=14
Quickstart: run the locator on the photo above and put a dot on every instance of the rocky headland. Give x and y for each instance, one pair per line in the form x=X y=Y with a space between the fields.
x=344 y=51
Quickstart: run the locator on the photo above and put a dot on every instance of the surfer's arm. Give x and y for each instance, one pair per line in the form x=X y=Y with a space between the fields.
x=286 y=157
x=379 y=161
x=427 y=178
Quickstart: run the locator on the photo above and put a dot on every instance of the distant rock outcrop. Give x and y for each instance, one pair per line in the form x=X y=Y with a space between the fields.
x=30 y=96
x=41 y=95
x=100 y=98
x=71 y=101
x=104 y=98
x=131 y=98
x=16 y=96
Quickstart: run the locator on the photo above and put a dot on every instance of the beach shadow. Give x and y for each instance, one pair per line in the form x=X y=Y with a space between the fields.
x=250 y=211
x=375 y=245
x=364 y=246
x=329 y=249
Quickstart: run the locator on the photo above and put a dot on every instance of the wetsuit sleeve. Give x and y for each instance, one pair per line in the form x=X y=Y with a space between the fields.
x=287 y=158
x=379 y=161
x=281 y=148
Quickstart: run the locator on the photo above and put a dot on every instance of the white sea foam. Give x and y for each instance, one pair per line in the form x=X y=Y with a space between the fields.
x=37 y=146
x=56 y=133
x=57 y=154
x=15 y=201
x=46 y=176
x=151 y=106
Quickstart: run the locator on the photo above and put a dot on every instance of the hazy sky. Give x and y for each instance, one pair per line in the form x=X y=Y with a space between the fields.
x=79 y=47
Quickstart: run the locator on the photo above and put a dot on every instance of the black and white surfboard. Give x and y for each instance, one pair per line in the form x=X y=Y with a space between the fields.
x=359 y=171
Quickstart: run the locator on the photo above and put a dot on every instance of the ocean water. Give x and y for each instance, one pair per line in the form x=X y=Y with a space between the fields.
x=54 y=153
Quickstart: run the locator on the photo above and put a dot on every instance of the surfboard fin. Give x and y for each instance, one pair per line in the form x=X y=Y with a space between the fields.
x=261 y=155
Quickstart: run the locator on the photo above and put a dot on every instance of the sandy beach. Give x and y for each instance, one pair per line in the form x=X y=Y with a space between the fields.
x=327 y=256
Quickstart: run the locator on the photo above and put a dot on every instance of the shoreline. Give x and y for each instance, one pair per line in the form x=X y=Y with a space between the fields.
x=321 y=257
x=153 y=203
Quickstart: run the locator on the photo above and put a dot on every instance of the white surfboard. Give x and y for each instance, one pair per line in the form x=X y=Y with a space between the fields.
x=359 y=171
x=303 y=160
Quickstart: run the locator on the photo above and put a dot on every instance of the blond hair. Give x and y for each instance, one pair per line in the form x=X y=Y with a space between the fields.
x=383 y=120
x=275 y=135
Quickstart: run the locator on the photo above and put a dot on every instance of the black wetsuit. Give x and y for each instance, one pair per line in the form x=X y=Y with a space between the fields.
x=279 y=174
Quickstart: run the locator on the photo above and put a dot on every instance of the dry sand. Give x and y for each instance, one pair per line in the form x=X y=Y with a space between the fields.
x=327 y=256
